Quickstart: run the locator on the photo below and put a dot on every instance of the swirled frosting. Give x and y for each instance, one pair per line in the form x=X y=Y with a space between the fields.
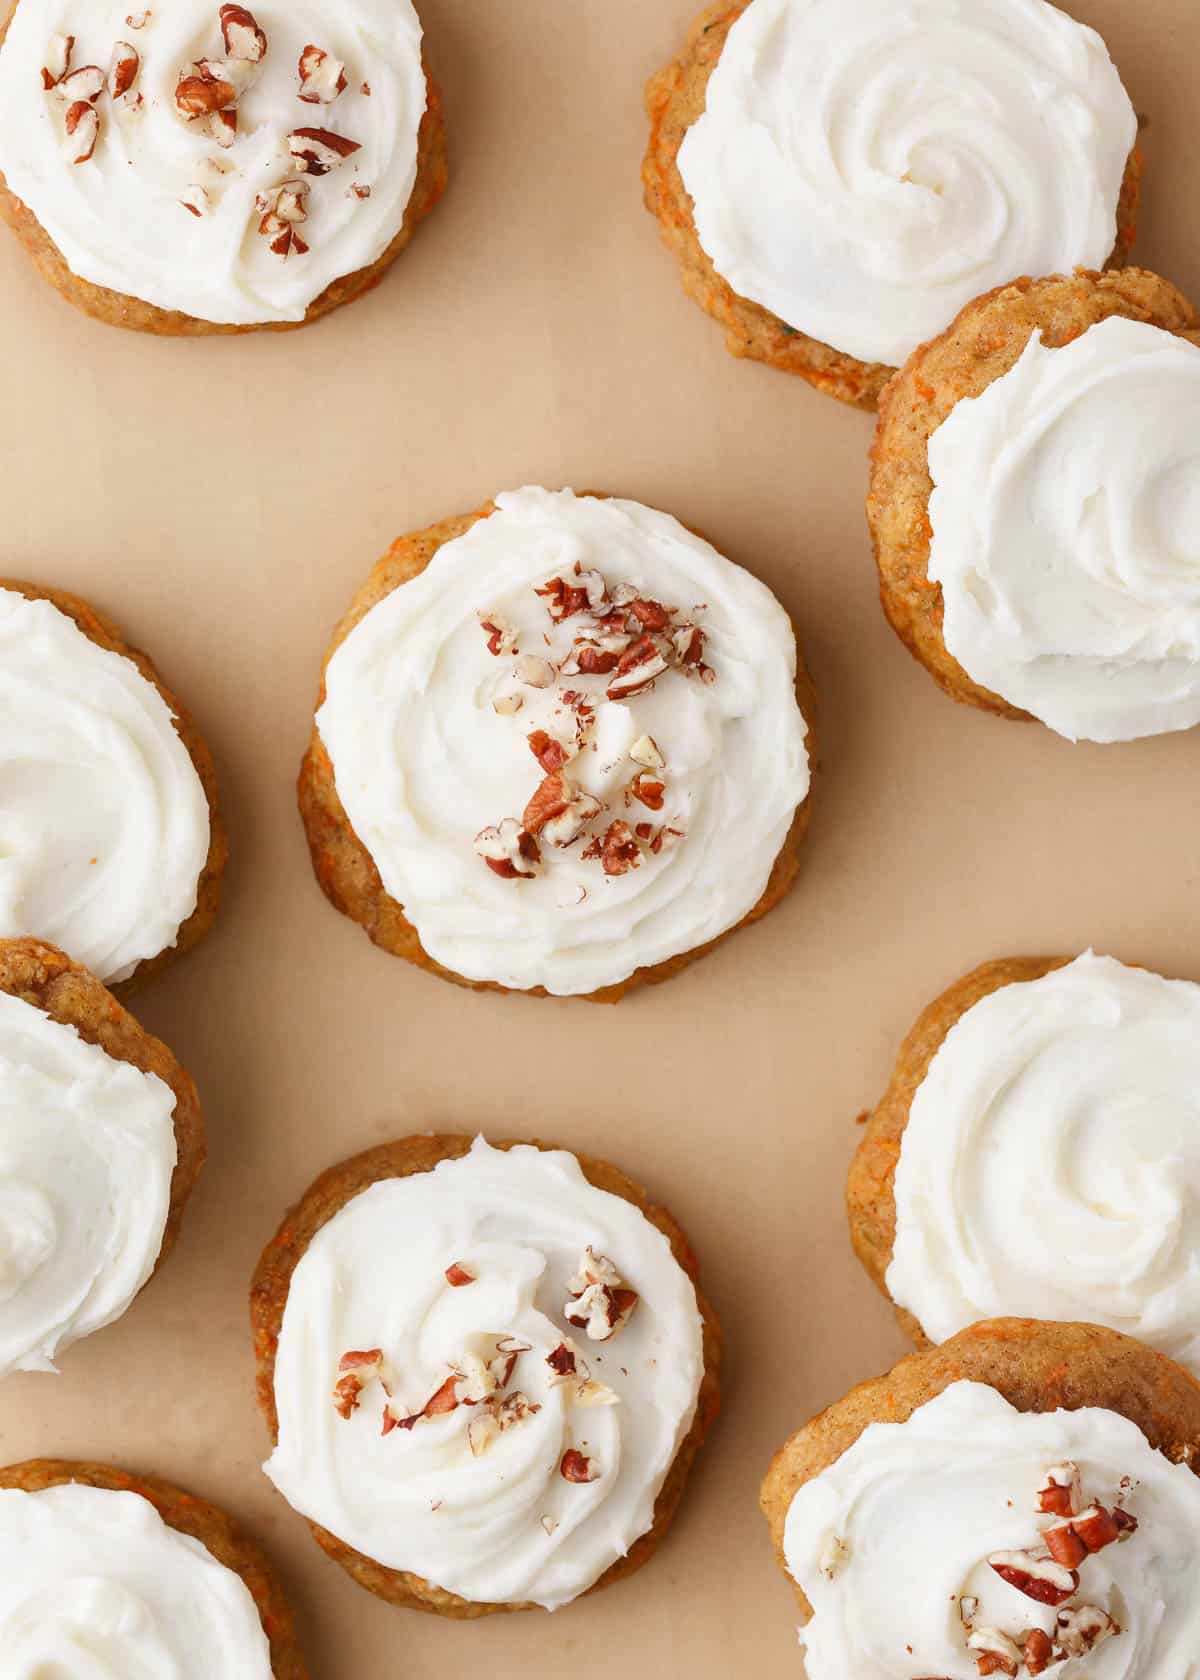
x=1050 y=1167
x=864 y=169
x=889 y=1541
x=87 y=1150
x=428 y=754
x=497 y=1520
x=1066 y=532
x=104 y=824
x=95 y=1584
x=121 y=218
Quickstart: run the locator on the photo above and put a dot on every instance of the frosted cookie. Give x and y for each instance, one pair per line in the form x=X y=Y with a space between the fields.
x=196 y=168
x=1019 y=1502
x=1037 y=1151
x=111 y=844
x=486 y=1372
x=839 y=177
x=1033 y=505
x=559 y=748
x=101 y=1143
x=112 y=1576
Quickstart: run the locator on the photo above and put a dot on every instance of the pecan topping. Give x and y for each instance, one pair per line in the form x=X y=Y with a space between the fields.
x=601 y=1303
x=507 y=705
x=550 y=754
x=315 y=151
x=84 y=84
x=1060 y=1495
x=1081 y=1629
x=642 y=662
x=284 y=208
x=651 y=615
x=203 y=94
x=618 y=850
x=241 y=34
x=550 y=799
x=458 y=1275
x=1039 y=1651
x=501 y=635
x=355 y=1371
x=647 y=791
x=995 y=1652
x=508 y=850
x=58 y=60
x=123 y=71
x=83 y=130
x=1038 y=1577
x=577 y=1467
x=535 y=672
x=321 y=78
x=196 y=200
x=644 y=751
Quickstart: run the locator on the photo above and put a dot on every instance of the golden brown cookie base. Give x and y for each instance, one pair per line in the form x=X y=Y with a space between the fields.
x=42 y=975
x=871 y=1186
x=214 y=1529
x=118 y=309
x=675 y=99
x=1036 y=1367
x=101 y=630
x=984 y=343
x=268 y=1297
x=344 y=868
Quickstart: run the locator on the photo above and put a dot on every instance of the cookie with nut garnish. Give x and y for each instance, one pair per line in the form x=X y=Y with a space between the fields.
x=486 y=1371
x=205 y=168
x=1022 y=1498
x=1031 y=508
x=562 y=746
x=111 y=842
x=837 y=178
x=101 y=1143
x=1036 y=1151
x=113 y=1574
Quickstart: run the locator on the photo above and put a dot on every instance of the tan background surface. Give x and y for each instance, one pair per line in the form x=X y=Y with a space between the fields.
x=223 y=499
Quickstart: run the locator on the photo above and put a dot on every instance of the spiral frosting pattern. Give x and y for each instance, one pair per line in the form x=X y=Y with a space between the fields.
x=520 y=1486
x=1050 y=1167
x=95 y=1584
x=863 y=169
x=891 y=1544
x=104 y=823
x=1066 y=532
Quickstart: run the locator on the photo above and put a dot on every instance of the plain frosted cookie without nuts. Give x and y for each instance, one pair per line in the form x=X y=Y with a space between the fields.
x=486 y=1370
x=101 y=1143
x=111 y=842
x=837 y=179
x=1037 y=1150
x=204 y=168
x=562 y=746
x=1016 y=1500
x=1055 y=559
x=116 y=1575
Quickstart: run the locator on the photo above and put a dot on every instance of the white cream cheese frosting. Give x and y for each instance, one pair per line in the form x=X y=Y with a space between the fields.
x=94 y=1583
x=428 y=732
x=87 y=1150
x=864 y=168
x=165 y=212
x=889 y=1541
x=1066 y=532
x=104 y=824
x=1050 y=1166
x=492 y=1517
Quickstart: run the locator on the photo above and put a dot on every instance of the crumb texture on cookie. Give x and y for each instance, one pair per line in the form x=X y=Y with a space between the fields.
x=806 y=158
x=1043 y=1156
x=985 y=343
x=484 y=1375
x=108 y=844
x=947 y=1536
x=1066 y=532
x=233 y=170
x=567 y=737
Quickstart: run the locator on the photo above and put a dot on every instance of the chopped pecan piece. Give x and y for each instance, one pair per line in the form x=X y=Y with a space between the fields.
x=501 y=635
x=1061 y=1495
x=1038 y=1650
x=508 y=850
x=1038 y=1577
x=123 y=71
x=58 y=60
x=83 y=131
x=535 y=672
x=994 y=1651
x=355 y=1371
x=459 y=1276
x=639 y=666
x=651 y=615
x=648 y=791
x=241 y=34
x=577 y=1467
x=644 y=751
x=315 y=151
x=84 y=84
x=1081 y=1629
x=322 y=78
x=507 y=705
x=550 y=754
x=618 y=850
x=201 y=95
